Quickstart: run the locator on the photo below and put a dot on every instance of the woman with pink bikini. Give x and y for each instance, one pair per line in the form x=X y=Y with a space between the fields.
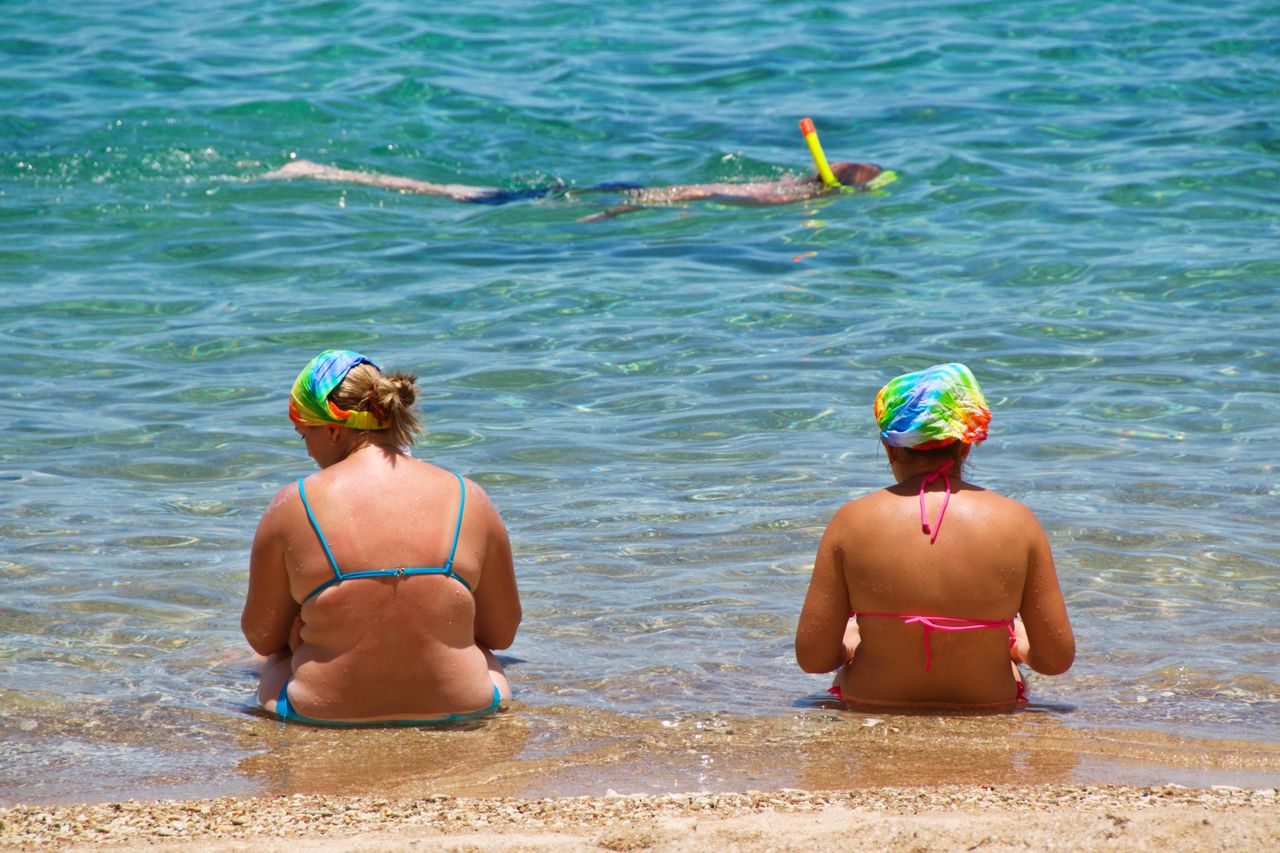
x=910 y=613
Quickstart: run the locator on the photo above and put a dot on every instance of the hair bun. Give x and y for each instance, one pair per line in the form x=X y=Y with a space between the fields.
x=394 y=391
x=389 y=397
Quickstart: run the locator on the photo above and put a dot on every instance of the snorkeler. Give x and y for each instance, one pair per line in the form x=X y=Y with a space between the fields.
x=834 y=178
x=933 y=606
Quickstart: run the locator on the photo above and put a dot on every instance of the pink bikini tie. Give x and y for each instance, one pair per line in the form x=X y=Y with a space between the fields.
x=948 y=623
x=946 y=498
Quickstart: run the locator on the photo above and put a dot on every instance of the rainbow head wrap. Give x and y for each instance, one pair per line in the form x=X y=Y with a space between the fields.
x=932 y=407
x=309 y=403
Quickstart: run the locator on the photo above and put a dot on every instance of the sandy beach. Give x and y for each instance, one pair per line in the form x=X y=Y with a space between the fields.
x=918 y=818
x=814 y=781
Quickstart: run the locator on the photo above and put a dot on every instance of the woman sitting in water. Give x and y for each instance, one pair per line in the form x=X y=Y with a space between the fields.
x=378 y=585
x=933 y=609
x=783 y=191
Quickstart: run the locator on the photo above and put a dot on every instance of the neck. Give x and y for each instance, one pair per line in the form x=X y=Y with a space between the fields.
x=910 y=469
x=360 y=441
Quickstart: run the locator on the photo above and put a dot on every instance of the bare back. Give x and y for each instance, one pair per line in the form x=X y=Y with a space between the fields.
x=368 y=648
x=989 y=562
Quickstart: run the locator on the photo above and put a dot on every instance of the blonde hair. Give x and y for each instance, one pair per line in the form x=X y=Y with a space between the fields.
x=388 y=396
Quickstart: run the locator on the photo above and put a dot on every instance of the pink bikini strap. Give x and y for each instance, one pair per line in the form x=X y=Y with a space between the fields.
x=940 y=623
x=946 y=498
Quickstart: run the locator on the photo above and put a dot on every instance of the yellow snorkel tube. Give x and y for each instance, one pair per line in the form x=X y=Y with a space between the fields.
x=824 y=168
x=819 y=159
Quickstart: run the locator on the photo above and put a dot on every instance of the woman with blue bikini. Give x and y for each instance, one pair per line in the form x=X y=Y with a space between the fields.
x=912 y=612
x=379 y=585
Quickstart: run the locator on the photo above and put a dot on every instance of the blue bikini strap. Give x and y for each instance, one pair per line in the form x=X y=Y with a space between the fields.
x=457 y=530
x=338 y=576
x=333 y=564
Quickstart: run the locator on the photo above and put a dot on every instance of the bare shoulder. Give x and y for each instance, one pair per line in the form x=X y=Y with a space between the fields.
x=475 y=491
x=1003 y=512
x=863 y=511
x=478 y=500
x=1002 y=504
x=285 y=497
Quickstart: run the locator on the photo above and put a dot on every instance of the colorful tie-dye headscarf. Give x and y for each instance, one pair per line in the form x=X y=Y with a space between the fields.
x=309 y=403
x=932 y=407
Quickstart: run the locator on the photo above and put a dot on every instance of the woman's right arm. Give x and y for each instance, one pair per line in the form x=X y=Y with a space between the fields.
x=1051 y=645
x=269 y=612
x=824 y=619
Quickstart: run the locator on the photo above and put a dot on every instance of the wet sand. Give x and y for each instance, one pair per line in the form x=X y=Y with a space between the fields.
x=920 y=818
x=562 y=779
x=816 y=780
x=544 y=753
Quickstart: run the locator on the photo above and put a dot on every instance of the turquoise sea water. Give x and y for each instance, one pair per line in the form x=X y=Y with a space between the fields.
x=666 y=407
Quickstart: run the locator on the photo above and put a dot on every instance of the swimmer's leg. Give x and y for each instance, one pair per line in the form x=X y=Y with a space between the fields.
x=308 y=169
x=497 y=676
x=613 y=212
x=301 y=169
x=275 y=672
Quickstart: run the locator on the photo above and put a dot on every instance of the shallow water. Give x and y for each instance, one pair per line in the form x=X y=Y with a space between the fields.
x=666 y=407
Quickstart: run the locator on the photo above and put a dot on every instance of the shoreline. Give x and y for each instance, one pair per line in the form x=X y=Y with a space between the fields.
x=549 y=780
x=564 y=753
x=1065 y=817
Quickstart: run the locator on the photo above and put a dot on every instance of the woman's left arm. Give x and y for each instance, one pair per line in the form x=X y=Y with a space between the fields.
x=269 y=612
x=1050 y=645
x=498 y=610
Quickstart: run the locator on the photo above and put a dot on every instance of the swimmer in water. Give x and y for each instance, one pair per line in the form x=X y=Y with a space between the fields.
x=851 y=176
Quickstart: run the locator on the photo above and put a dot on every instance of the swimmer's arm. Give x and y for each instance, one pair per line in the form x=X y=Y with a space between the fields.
x=498 y=611
x=612 y=212
x=269 y=609
x=759 y=193
x=315 y=171
x=824 y=618
x=1050 y=645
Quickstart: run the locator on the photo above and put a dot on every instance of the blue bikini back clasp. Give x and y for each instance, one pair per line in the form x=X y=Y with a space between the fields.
x=339 y=576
